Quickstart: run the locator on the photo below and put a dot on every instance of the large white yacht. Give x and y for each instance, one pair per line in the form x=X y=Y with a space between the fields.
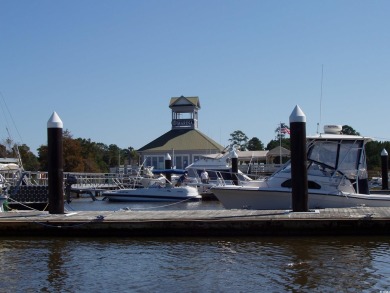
x=337 y=178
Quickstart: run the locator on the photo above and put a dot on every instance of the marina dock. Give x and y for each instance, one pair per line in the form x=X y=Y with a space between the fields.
x=204 y=223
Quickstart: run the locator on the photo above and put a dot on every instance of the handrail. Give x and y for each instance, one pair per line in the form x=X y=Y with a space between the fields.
x=94 y=180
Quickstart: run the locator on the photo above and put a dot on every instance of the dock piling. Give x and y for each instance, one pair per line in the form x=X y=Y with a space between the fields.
x=298 y=161
x=55 y=165
x=235 y=167
x=385 y=169
x=168 y=165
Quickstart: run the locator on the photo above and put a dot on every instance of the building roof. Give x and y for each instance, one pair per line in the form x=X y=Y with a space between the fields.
x=277 y=151
x=184 y=101
x=183 y=140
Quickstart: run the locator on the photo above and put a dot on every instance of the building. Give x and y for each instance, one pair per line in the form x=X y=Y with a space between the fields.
x=184 y=142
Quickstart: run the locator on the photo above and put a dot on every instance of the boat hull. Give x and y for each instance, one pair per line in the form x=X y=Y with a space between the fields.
x=279 y=199
x=153 y=194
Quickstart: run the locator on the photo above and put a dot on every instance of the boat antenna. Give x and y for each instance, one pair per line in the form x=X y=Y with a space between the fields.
x=322 y=77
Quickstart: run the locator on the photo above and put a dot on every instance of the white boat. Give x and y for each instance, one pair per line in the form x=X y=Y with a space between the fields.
x=219 y=168
x=154 y=193
x=9 y=167
x=376 y=182
x=151 y=176
x=337 y=178
x=9 y=172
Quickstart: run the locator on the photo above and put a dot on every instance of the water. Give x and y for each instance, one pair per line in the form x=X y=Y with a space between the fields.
x=236 y=264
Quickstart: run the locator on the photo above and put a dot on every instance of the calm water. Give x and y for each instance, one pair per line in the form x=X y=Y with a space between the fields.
x=263 y=264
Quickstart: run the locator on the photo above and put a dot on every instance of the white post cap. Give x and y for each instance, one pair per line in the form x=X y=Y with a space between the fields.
x=297 y=115
x=167 y=157
x=234 y=155
x=54 y=121
x=384 y=153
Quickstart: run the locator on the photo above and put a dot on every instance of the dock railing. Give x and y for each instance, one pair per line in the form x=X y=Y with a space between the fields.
x=259 y=169
x=84 y=180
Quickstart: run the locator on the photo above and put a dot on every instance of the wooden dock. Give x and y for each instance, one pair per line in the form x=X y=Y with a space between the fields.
x=130 y=223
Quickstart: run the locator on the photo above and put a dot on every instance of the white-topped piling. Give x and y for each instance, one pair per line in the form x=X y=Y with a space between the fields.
x=168 y=165
x=55 y=164
x=298 y=160
x=235 y=167
x=385 y=169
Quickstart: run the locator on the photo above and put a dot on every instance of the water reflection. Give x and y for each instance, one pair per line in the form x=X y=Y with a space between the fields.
x=323 y=264
x=57 y=251
x=343 y=263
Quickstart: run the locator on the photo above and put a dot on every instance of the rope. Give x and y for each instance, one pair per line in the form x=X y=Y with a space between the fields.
x=156 y=207
x=99 y=218
x=22 y=204
x=45 y=207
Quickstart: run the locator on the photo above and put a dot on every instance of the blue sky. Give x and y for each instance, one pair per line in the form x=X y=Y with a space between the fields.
x=109 y=68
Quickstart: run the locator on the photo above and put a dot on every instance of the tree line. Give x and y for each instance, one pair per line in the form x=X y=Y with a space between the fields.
x=84 y=155
x=79 y=155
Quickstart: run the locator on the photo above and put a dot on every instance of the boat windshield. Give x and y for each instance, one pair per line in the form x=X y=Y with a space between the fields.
x=344 y=156
x=335 y=157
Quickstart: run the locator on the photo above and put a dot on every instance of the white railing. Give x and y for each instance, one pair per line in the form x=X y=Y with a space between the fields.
x=84 y=180
x=260 y=169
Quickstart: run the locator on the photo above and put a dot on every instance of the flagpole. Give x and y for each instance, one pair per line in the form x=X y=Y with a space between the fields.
x=280 y=143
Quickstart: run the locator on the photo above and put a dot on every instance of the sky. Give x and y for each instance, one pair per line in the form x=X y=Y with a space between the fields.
x=108 y=68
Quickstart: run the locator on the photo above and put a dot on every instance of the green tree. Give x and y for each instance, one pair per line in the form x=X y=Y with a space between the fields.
x=373 y=154
x=239 y=139
x=9 y=149
x=29 y=160
x=3 y=151
x=254 y=144
x=73 y=160
x=114 y=155
x=285 y=142
x=129 y=156
x=346 y=129
x=43 y=158
x=93 y=156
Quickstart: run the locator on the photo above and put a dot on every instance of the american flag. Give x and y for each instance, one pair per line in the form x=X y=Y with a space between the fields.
x=284 y=128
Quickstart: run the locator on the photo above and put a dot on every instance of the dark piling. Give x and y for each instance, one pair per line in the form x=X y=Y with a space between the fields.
x=235 y=168
x=298 y=160
x=168 y=166
x=385 y=169
x=55 y=165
